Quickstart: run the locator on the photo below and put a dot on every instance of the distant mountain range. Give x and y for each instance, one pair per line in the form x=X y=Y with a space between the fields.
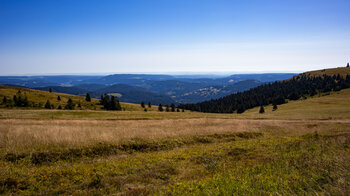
x=157 y=89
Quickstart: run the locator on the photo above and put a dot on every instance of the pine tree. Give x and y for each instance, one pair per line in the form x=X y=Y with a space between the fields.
x=59 y=107
x=58 y=98
x=262 y=110
x=149 y=104
x=145 y=110
x=70 y=105
x=183 y=110
x=167 y=109
x=87 y=97
x=48 y=104
x=160 y=108
x=347 y=65
x=274 y=107
x=4 y=100
x=177 y=110
x=50 y=90
x=142 y=104
x=172 y=107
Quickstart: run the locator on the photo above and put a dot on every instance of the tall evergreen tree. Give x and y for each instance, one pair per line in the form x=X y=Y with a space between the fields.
x=70 y=105
x=160 y=108
x=167 y=109
x=142 y=104
x=172 y=107
x=4 y=100
x=87 y=97
x=48 y=104
x=149 y=104
x=347 y=65
x=50 y=90
x=262 y=110
x=58 y=98
x=274 y=107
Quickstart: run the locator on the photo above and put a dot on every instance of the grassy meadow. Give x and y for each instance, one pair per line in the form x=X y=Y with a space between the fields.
x=302 y=148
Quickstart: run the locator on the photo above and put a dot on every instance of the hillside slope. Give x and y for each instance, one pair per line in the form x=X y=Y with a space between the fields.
x=336 y=105
x=38 y=98
x=300 y=86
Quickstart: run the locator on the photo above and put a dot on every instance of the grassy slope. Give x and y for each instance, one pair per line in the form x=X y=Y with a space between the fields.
x=184 y=156
x=343 y=71
x=41 y=97
x=334 y=106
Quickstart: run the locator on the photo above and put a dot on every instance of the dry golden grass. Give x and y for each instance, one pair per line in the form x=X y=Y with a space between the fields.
x=343 y=71
x=21 y=135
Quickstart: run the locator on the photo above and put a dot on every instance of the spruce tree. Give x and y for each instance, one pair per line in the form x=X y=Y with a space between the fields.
x=347 y=65
x=262 y=110
x=172 y=107
x=48 y=104
x=4 y=100
x=183 y=110
x=149 y=104
x=142 y=104
x=70 y=105
x=58 y=98
x=160 y=108
x=87 y=97
x=177 y=110
x=167 y=109
x=274 y=107
x=50 y=90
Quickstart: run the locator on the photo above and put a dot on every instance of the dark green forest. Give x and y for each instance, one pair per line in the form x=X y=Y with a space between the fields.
x=276 y=93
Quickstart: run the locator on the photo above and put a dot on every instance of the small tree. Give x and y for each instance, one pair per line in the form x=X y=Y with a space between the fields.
x=177 y=110
x=149 y=104
x=160 y=108
x=274 y=107
x=145 y=110
x=4 y=100
x=50 y=90
x=172 y=107
x=58 y=98
x=347 y=65
x=59 y=107
x=262 y=110
x=183 y=110
x=48 y=104
x=70 y=105
x=167 y=109
x=87 y=97
x=142 y=104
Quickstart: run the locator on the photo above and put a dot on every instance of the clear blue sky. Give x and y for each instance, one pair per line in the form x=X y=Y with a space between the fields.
x=83 y=36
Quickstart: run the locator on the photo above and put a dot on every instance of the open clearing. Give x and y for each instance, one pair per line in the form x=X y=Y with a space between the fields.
x=302 y=148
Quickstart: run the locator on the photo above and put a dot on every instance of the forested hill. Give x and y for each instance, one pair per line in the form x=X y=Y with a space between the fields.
x=300 y=86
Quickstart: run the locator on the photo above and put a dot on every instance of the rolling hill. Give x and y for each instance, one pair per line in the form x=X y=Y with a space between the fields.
x=38 y=98
x=303 y=85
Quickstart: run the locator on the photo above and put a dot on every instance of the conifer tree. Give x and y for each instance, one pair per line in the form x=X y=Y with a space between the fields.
x=70 y=105
x=177 y=110
x=48 y=104
x=347 y=65
x=4 y=100
x=59 y=107
x=167 y=109
x=172 y=107
x=58 y=98
x=50 y=90
x=274 y=107
x=142 y=104
x=262 y=110
x=87 y=97
x=149 y=104
x=183 y=110
x=160 y=108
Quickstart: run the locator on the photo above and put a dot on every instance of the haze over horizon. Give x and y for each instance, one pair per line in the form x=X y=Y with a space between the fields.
x=84 y=37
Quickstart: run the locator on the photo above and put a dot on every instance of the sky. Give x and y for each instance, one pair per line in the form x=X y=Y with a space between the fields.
x=172 y=36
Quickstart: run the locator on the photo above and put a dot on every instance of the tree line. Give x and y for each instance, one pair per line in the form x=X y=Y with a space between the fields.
x=275 y=93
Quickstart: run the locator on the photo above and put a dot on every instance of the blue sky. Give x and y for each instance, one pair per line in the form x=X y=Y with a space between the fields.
x=162 y=36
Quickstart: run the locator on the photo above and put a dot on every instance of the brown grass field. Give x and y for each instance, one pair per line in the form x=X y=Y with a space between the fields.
x=302 y=148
